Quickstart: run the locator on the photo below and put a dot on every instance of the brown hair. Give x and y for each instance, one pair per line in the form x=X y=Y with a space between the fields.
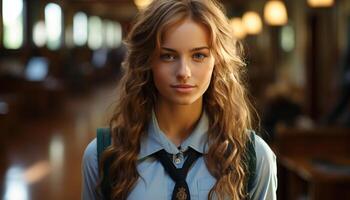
x=225 y=101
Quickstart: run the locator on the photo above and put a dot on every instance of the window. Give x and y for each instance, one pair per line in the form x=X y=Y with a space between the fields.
x=13 y=23
x=39 y=34
x=53 y=22
x=95 y=33
x=287 y=38
x=112 y=34
x=117 y=34
x=80 y=29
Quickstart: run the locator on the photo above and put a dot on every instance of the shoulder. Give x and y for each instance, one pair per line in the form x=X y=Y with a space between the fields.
x=264 y=154
x=90 y=156
x=265 y=180
x=90 y=171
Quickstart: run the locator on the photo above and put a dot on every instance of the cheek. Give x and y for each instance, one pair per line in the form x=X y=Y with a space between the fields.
x=206 y=74
x=160 y=76
x=211 y=66
x=209 y=74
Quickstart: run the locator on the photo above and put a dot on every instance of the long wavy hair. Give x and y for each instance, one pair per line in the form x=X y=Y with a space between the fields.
x=225 y=100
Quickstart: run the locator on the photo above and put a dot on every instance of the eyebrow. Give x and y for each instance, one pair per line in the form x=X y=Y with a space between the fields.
x=194 y=49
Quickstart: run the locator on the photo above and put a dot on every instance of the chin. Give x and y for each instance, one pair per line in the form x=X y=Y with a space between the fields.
x=184 y=101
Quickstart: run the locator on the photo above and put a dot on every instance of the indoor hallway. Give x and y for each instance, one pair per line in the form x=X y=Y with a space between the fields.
x=42 y=159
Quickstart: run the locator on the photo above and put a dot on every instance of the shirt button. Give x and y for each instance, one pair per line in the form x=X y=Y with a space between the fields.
x=177 y=161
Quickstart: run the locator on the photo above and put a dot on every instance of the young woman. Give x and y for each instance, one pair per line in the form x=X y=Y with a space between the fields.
x=181 y=126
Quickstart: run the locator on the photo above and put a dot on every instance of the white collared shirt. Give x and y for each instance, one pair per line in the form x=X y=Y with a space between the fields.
x=154 y=182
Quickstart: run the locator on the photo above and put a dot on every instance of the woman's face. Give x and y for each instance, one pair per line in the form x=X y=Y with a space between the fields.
x=183 y=66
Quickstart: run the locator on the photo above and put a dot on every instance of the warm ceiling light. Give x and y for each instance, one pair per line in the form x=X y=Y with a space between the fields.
x=320 y=3
x=141 y=4
x=275 y=13
x=252 y=22
x=239 y=30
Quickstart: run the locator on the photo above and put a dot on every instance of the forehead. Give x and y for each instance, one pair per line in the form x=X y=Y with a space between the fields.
x=186 y=34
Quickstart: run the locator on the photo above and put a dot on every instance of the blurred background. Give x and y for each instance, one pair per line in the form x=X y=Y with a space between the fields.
x=60 y=65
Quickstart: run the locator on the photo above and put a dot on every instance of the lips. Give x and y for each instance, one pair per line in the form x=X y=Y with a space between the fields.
x=183 y=88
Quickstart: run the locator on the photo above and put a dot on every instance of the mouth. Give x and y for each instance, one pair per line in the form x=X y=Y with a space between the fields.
x=183 y=88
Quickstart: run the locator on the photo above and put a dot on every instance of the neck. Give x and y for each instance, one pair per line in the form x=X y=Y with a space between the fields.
x=178 y=121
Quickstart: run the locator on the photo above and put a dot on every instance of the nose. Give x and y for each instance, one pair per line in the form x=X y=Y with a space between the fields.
x=184 y=70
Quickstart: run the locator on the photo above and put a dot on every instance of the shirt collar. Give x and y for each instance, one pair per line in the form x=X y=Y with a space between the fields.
x=156 y=140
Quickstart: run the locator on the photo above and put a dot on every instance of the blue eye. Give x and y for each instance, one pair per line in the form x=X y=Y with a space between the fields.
x=167 y=57
x=199 y=56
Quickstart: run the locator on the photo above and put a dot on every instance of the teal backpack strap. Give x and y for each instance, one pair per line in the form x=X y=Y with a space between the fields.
x=251 y=160
x=103 y=140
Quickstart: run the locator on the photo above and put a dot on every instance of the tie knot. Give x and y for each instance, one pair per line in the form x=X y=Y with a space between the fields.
x=180 y=175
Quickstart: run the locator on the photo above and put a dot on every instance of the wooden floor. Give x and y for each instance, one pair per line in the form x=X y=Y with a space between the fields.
x=42 y=160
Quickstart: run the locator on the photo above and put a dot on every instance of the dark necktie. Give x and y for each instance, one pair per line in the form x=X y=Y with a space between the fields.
x=181 y=190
